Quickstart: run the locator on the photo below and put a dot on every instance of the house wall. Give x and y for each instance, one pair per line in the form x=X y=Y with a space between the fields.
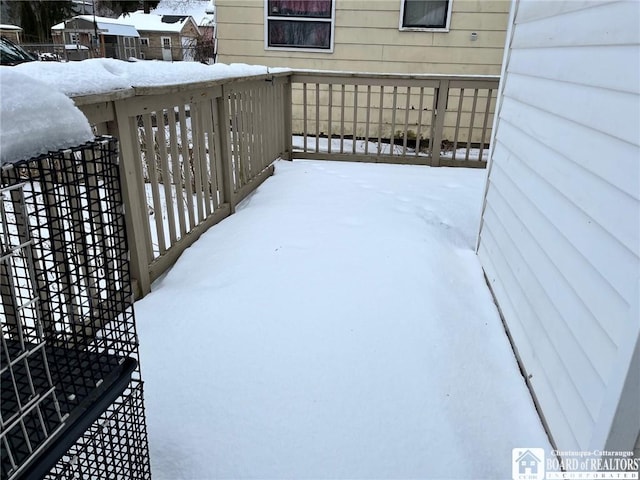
x=154 y=51
x=560 y=234
x=368 y=39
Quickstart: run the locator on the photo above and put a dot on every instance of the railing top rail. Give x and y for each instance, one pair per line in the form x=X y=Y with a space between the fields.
x=112 y=96
x=297 y=74
x=169 y=89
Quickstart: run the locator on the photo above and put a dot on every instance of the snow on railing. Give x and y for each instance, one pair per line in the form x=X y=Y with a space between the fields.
x=190 y=152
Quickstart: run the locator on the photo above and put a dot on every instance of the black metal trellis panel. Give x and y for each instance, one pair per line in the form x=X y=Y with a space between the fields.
x=71 y=388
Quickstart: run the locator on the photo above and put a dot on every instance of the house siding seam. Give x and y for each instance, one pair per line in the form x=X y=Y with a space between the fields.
x=560 y=234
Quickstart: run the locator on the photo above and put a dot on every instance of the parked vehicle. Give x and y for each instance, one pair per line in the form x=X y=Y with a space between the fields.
x=12 y=54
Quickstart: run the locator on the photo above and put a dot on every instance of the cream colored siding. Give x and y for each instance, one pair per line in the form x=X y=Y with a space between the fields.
x=368 y=39
x=560 y=235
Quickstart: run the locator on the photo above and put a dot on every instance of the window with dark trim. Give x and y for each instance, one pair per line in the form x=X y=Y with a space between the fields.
x=427 y=14
x=299 y=24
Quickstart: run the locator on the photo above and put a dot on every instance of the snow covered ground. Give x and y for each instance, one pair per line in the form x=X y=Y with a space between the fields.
x=337 y=326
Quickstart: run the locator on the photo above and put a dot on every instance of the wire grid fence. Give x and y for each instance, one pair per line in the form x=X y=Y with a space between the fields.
x=72 y=402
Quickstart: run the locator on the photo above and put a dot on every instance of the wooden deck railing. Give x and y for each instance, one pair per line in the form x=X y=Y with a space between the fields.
x=189 y=153
x=419 y=119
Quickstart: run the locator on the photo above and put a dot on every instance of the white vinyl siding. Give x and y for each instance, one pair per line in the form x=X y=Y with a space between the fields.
x=560 y=233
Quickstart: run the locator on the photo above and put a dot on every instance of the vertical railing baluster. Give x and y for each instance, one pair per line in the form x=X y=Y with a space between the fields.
x=406 y=122
x=485 y=121
x=367 y=121
x=235 y=141
x=432 y=127
x=221 y=154
x=392 y=140
x=223 y=107
x=342 y=119
x=471 y=121
x=355 y=118
x=277 y=140
x=196 y=133
x=380 y=118
x=213 y=153
x=244 y=135
x=330 y=113
x=177 y=171
x=458 y=117
x=167 y=177
x=304 y=117
x=270 y=131
x=443 y=93
x=288 y=121
x=251 y=133
x=204 y=157
x=260 y=123
x=317 y=117
x=187 y=162
x=153 y=180
x=419 y=126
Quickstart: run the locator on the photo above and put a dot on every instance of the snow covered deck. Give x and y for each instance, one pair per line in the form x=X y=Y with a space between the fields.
x=337 y=326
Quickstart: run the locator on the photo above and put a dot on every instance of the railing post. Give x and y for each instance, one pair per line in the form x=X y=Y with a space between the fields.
x=222 y=107
x=288 y=123
x=134 y=201
x=443 y=94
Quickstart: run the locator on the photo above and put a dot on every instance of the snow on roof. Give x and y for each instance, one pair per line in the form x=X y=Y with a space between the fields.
x=112 y=26
x=151 y=22
x=106 y=25
x=118 y=30
x=10 y=27
x=36 y=118
x=202 y=11
x=75 y=46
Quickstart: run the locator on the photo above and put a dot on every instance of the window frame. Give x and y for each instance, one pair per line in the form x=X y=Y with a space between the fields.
x=331 y=20
x=445 y=29
x=144 y=41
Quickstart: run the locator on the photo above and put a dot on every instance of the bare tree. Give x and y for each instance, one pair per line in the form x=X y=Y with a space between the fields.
x=36 y=17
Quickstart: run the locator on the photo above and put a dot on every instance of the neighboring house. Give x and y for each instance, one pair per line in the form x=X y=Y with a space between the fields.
x=203 y=14
x=106 y=37
x=392 y=36
x=12 y=32
x=165 y=37
x=560 y=234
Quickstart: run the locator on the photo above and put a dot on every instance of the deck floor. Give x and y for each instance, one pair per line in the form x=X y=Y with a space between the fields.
x=337 y=326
